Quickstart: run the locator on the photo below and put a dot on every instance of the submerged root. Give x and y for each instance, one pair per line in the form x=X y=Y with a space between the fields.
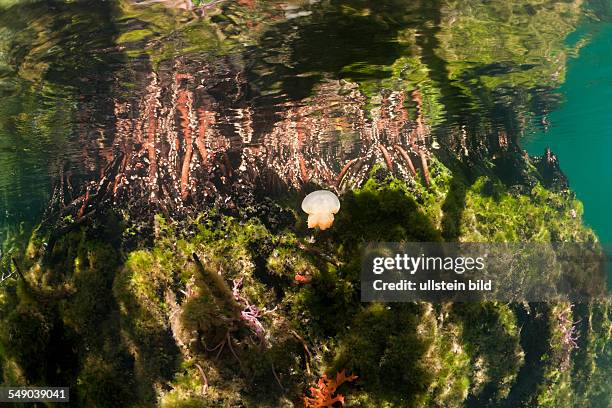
x=344 y=170
x=386 y=156
x=406 y=158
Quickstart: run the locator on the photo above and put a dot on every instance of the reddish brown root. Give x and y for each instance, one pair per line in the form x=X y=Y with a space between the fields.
x=152 y=154
x=424 y=166
x=406 y=158
x=183 y=108
x=303 y=171
x=203 y=125
x=84 y=206
x=387 y=156
x=344 y=170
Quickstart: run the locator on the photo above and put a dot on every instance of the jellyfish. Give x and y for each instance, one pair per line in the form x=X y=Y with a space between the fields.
x=321 y=206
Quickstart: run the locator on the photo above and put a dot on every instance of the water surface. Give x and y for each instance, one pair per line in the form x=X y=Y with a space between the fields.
x=180 y=104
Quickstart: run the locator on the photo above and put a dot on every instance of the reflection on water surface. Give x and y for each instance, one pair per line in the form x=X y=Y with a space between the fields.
x=175 y=104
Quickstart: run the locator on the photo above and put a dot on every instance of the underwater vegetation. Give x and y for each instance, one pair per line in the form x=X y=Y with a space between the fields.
x=209 y=312
x=174 y=266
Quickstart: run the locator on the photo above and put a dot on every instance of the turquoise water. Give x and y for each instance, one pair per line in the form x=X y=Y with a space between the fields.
x=580 y=130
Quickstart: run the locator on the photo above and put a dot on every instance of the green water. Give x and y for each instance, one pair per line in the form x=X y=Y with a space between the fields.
x=580 y=131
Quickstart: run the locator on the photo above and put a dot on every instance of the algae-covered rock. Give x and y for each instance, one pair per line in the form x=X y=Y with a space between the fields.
x=233 y=325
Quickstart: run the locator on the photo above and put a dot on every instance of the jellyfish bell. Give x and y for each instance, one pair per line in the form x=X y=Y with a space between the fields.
x=321 y=205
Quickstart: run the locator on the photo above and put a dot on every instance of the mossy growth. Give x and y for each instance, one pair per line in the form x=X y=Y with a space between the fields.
x=493 y=214
x=491 y=337
x=407 y=358
x=160 y=328
x=65 y=316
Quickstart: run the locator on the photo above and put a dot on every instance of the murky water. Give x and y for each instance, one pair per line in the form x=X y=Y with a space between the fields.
x=166 y=104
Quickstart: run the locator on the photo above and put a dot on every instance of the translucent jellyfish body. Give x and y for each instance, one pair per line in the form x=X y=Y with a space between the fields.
x=321 y=206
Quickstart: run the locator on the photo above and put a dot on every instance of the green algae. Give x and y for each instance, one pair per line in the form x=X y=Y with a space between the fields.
x=494 y=215
x=144 y=322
